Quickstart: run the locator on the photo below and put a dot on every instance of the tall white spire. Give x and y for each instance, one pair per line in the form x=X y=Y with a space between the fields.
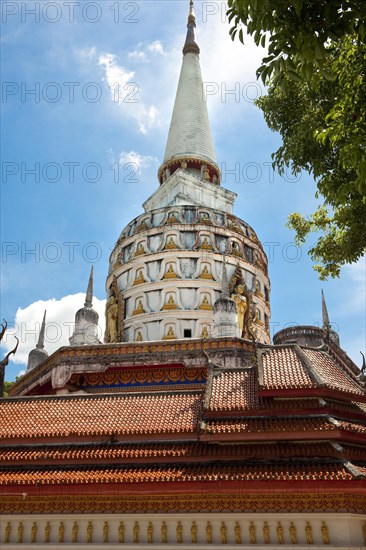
x=89 y=291
x=40 y=344
x=190 y=139
x=39 y=354
x=86 y=320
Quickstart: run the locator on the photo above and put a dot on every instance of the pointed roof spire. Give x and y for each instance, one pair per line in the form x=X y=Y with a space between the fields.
x=89 y=292
x=86 y=320
x=190 y=141
x=40 y=344
x=38 y=354
x=327 y=327
x=190 y=43
x=326 y=323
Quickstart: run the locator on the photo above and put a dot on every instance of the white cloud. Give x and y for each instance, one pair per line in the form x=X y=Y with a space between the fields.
x=117 y=77
x=87 y=53
x=142 y=52
x=138 y=54
x=156 y=47
x=127 y=93
x=140 y=161
x=229 y=64
x=59 y=325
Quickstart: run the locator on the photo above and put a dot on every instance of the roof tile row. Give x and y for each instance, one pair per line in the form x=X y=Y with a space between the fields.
x=331 y=373
x=181 y=473
x=163 y=452
x=283 y=369
x=127 y=414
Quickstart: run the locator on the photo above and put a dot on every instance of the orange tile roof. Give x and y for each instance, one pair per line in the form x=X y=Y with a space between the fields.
x=163 y=452
x=283 y=369
x=180 y=473
x=270 y=425
x=234 y=390
x=332 y=374
x=99 y=415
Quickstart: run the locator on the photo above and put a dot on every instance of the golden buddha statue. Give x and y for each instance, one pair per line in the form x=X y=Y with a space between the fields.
x=293 y=533
x=105 y=531
x=179 y=533
x=121 y=532
x=223 y=532
x=170 y=273
x=139 y=279
x=140 y=250
x=170 y=334
x=139 y=309
x=170 y=304
x=209 y=533
x=237 y=533
x=205 y=304
x=205 y=245
x=135 y=532
x=172 y=218
x=20 y=532
x=47 y=531
x=204 y=333
x=170 y=244
x=89 y=532
x=242 y=306
x=309 y=533
x=74 y=533
x=205 y=274
x=325 y=533
x=150 y=533
x=61 y=531
x=7 y=533
x=33 y=532
x=279 y=533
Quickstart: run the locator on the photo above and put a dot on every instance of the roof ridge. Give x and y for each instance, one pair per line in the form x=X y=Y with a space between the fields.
x=309 y=368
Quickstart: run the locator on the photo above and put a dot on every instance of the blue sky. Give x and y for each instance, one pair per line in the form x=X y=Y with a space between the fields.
x=87 y=95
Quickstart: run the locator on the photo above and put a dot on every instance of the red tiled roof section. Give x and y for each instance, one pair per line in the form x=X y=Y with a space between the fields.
x=282 y=369
x=179 y=473
x=331 y=373
x=234 y=390
x=352 y=427
x=122 y=415
x=171 y=452
x=268 y=425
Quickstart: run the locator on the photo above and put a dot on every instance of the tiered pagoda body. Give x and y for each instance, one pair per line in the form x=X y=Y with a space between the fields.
x=187 y=427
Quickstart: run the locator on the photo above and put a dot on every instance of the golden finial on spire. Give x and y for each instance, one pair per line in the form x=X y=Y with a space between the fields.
x=190 y=44
x=192 y=15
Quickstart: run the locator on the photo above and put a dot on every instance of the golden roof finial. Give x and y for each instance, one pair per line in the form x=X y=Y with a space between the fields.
x=191 y=8
x=190 y=43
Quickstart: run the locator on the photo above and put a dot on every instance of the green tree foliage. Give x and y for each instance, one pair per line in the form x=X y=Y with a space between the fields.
x=316 y=72
x=7 y=386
